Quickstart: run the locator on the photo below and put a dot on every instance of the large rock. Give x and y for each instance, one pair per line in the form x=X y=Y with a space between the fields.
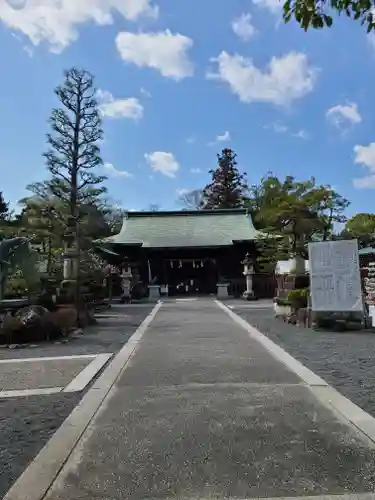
x=30 y=316
x=35 y=324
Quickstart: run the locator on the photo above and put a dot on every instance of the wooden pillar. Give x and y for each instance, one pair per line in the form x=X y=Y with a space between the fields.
x=143 y=267
x=163 y=270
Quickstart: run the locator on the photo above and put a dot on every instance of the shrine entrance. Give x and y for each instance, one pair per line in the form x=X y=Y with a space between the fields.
x=191 y=277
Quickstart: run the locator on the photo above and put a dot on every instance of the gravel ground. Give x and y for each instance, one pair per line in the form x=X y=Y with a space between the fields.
x=344 y=360
x=26 y=424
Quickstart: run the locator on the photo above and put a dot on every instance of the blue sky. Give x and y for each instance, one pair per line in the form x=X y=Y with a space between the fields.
x=179 y=81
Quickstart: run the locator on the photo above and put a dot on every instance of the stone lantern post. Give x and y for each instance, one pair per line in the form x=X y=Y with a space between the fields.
x=126 y=276
x=70 y=256
x=70 y=283
x=248 y=273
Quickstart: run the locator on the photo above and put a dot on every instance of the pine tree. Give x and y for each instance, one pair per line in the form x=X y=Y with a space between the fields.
x=228 y=186
x=74 y=153
x=72 y=159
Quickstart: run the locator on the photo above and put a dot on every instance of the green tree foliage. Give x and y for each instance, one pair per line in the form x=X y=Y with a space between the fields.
x=287 y=208
x=46 y=216
x=92 y=207
x=41 y=218
x=318 y=13
x=271 y=249
x=4 y=208
x=10 y=223
x=292 y=213
x=42 y=209
x=330 y=206
x=228 y=186
x=362 y=227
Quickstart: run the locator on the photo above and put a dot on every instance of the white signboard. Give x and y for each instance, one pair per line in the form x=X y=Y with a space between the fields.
x=335 y=281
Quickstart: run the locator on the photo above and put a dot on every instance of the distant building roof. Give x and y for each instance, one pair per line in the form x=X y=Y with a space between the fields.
x=200 y=228
x=288 y=266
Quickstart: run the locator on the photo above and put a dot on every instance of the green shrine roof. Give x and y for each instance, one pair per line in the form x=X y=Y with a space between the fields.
x=203 y=228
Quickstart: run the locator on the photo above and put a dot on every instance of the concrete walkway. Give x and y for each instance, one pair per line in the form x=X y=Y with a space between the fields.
x=203 y=410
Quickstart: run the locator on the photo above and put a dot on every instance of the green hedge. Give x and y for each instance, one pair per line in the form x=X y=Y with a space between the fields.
x=298 y=298
x=282 y=302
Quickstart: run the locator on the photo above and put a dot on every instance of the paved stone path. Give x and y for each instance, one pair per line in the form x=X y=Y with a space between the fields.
x=202 y=410
x=28 y=420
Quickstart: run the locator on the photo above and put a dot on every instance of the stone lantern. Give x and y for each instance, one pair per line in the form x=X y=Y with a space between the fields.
x=248 y=273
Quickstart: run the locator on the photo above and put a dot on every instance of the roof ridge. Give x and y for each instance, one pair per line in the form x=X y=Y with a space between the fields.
x=181 y=213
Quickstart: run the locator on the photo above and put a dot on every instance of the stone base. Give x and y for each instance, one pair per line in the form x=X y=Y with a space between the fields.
x=154 y=293
x=338 y=321
x=67 y=284
x=249 y=296
x=126 y=294
x=281 y=311
x=371 y=312
x=222 y=291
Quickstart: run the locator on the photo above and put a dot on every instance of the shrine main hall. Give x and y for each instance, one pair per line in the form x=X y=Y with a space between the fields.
x=189 y=252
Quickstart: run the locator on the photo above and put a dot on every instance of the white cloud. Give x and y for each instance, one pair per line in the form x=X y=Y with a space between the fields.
x=182 y=191
x=365 y=156
x=191 y=140
x=286 y=78
x=243 y=27
x=145 y=92
x=367 y=182
x=224 y=137
x=302 y=134
x=371 y=40
x=119 y=108
x=113 y=172
x=163 y=162
x=277 y=127
x=196 y=170
x=342 y=115
x=280 y=128
x=163 y=51
x=56 y=21
x=274 y=6
x=29 y=50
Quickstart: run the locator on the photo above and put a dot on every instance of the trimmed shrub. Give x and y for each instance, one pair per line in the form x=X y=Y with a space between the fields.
x=64 y=319
x=298 y=298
